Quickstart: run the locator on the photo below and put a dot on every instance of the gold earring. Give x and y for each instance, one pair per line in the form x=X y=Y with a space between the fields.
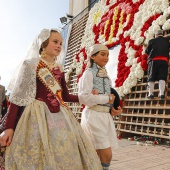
x=43 y=53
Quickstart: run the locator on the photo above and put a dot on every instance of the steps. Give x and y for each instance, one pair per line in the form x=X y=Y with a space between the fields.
x=143 y=116
x=73 y=47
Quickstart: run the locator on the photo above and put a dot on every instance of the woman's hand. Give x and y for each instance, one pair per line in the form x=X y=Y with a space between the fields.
x=115 y=112
x=6 y=137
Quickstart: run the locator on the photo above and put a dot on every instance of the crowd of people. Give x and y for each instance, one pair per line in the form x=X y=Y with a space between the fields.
x=51 y=136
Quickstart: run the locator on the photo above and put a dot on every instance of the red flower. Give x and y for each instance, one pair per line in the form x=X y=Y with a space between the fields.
x=155 y=142
x=119 y=137
x=144 y=65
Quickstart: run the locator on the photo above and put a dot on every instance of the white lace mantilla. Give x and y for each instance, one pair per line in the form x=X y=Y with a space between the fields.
x=24 y=91
x=23 y=82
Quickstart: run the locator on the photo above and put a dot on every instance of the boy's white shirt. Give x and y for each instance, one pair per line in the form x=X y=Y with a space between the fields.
x=85 y=87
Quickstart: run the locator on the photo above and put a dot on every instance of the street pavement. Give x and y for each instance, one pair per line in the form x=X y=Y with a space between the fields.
x=133 y=155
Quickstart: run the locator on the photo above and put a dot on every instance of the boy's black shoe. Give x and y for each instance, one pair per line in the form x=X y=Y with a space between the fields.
x=162 y=97
x=150 y=96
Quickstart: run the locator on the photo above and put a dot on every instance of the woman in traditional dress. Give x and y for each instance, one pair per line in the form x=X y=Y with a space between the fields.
x=41 y=132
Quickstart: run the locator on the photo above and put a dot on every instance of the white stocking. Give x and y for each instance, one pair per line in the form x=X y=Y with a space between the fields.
x=161 y=87
x=151 y=87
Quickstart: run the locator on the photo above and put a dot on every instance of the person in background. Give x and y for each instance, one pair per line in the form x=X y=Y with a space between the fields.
x=158 y=57
x=5 y=105
x=2 y=97
x=41 y=132
x=94 y=91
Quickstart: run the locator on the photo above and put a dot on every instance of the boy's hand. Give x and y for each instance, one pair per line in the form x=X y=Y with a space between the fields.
x=115 y=112
x=95 y=92
x=111 y=98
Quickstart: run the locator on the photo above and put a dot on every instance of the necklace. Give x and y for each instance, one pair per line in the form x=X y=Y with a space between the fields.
x=51 y=65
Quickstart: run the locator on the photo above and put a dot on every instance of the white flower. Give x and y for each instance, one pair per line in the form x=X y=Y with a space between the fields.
x=166 y=25
x=139 y=40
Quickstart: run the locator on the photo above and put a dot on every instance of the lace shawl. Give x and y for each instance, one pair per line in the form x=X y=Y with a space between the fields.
x=24 y=91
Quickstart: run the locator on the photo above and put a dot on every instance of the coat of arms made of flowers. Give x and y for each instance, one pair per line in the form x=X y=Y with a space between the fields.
x=128 y=23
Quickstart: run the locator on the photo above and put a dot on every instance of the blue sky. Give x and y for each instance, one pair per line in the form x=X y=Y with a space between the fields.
x=21 y=21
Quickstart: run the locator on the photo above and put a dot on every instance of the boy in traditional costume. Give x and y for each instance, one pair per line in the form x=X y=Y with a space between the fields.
x=95 y=92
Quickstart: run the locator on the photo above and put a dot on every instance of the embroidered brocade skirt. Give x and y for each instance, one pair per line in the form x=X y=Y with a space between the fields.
x=50 y=141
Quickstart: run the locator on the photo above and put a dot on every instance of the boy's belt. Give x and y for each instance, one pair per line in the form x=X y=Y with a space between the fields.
x=99 y=108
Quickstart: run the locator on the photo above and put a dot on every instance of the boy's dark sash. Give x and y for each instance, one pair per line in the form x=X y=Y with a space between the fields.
x=48 y=79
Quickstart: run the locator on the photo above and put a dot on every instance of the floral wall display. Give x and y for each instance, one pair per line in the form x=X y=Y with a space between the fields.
x=129 y=23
